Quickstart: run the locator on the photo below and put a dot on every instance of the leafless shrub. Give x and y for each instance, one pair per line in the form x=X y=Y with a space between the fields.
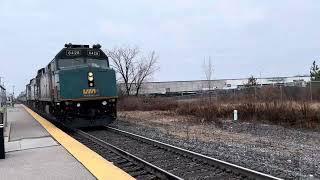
x=298 y=114
x=132 y=103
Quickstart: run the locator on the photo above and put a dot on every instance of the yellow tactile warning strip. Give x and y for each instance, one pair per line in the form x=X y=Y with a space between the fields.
x=97 y=165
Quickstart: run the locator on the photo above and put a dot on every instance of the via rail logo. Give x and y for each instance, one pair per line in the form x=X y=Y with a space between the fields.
x=90 y=92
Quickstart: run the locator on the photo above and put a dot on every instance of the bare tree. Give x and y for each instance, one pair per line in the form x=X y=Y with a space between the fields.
x=145 y=69
x=124 y=62
x=208 y=70
x=134 y=70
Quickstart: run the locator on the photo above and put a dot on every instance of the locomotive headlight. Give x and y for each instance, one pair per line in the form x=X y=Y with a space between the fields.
x=78 y=104
x=90 y=78
x=104 y=103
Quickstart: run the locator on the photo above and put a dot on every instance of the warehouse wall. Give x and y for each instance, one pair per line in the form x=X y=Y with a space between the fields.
x=203 y=85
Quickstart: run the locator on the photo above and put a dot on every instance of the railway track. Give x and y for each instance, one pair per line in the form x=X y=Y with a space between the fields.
x=157 y=160
x=145 y=158
x=131 y=164
x=135 y=166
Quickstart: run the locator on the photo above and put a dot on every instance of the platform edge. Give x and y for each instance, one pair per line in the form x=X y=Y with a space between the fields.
x=93 y=162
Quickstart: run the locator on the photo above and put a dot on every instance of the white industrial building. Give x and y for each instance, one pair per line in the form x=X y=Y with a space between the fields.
x=203 y=85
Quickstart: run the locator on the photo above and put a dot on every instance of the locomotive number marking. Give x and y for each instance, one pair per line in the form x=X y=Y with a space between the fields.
x=93 y=53
x=89 y=91
x=73 y=52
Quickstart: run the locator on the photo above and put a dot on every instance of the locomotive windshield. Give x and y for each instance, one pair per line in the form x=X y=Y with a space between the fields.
x=98 y=63
x=82 y=62
x=67 y=63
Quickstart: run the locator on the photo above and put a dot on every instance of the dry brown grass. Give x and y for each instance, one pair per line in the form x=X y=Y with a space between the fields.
x=289 y=113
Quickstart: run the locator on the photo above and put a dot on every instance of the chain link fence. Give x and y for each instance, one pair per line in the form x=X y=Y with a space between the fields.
x=278 y=92
x=290 y=106
x=266 y=93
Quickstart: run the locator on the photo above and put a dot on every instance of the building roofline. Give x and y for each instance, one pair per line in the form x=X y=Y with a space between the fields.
x=302 y=76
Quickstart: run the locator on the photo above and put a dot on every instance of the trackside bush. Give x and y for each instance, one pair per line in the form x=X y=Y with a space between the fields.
x=298 y=114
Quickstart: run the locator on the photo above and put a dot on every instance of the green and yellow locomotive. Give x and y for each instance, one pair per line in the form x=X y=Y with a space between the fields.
x=77 y=87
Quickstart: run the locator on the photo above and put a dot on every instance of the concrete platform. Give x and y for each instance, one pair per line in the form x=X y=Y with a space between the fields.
x=42 y=163
x=31 y=152
x=22 y=125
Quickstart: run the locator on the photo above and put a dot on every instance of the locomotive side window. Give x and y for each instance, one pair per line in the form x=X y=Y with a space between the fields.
x=53 y=66
x=48 y=68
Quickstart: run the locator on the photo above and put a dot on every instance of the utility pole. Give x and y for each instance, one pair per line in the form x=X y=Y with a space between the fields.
x=281 y=93
x=255 y=92
x=12 y=103
x=260 y=79
x=260 y=73
x=311 y=90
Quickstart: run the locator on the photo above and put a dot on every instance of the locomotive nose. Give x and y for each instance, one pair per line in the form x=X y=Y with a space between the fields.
x=87 y=83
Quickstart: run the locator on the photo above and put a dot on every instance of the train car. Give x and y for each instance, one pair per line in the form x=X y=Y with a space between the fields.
x=31 y=92
x=22 y=98
x=77 y=87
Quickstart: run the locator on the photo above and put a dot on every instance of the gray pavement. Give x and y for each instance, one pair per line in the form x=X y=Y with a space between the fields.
x=31 y=153
x=22 y=125
x=29 y=144
x=42 y=163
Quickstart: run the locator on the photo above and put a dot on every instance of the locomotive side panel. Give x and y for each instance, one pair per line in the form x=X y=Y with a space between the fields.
x=28 y=92
x=45 y=88
x=33 y=90
x=56 y=86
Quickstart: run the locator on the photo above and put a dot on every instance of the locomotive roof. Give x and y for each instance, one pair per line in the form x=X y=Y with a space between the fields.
x=74 y=51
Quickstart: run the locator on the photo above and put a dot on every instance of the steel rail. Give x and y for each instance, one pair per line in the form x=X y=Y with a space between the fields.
x=212 y=161
x=161 y=173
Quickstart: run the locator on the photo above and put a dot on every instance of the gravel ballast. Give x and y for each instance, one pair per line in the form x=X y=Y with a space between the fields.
x=281 y=152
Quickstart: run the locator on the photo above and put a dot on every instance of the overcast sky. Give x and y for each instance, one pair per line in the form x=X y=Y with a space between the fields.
x=243 y=37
